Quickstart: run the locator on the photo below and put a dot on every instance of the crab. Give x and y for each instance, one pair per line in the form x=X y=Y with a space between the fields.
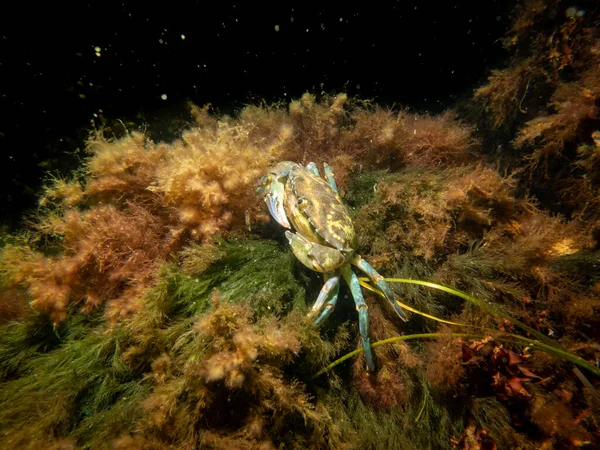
x=321 y=235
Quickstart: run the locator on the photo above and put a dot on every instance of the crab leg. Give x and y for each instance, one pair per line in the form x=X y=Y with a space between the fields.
x=312 y=168
x=328 y=297
x=329 y=177
x=363 y=313
x=378 y=280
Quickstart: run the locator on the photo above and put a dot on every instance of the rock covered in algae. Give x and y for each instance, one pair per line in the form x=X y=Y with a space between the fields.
x=153 y=305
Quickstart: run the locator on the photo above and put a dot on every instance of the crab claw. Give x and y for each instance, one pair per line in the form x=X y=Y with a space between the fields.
x=274 y=200
x=315 y=256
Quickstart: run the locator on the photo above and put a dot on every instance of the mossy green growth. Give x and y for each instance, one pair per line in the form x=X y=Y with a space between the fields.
x=257 y=273
x=489 y=414
x=362 y=188
x=57 y=390
x=583 y=263
x=19 y=341
x=262 y=274
x=86 y=380
x=421 y=422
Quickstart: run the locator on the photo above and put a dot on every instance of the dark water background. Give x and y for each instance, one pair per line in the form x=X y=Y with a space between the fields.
x=66 y=69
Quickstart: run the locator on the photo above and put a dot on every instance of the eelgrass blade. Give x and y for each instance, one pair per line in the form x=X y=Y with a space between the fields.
x=389 y=341
x=371 y=288
x=543 y=343
x=486 y=306
x=508 y=339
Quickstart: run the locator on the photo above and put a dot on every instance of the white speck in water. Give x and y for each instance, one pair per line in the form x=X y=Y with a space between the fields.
x=183 y=37
x=164 y=96
x=276 y=27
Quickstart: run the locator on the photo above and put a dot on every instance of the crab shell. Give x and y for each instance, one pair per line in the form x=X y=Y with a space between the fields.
x=315 y=211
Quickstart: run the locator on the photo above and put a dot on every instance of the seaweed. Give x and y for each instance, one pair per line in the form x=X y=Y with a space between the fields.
x=151 y=304
x=547 y=98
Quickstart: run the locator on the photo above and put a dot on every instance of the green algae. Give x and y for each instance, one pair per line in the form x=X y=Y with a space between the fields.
x=82 y=363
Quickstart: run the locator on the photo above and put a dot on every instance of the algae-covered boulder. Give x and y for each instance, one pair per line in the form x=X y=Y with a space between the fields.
x=152 y=303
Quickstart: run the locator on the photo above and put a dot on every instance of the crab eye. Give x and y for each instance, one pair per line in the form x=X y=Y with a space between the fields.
x=302 y=203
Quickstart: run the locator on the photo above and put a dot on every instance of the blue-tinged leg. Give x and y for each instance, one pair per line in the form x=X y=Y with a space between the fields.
x=328 y=297
x=312 y=167
x=363 y=313
x=329 y=177
x=378 y=280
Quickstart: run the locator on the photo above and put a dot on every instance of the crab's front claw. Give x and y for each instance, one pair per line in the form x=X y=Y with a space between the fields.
x=273 y=192
x=315 y=256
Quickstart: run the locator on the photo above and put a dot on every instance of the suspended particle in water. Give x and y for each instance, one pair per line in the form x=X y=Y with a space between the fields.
x=276 y=27
x=164 y=96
